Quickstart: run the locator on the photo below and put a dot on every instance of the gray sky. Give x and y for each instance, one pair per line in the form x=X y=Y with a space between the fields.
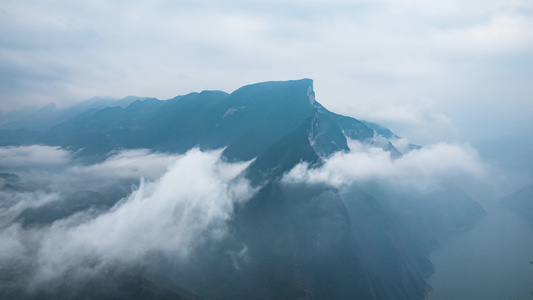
x=454 y=70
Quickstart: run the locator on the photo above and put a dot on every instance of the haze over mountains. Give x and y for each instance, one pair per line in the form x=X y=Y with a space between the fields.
x=258 y=194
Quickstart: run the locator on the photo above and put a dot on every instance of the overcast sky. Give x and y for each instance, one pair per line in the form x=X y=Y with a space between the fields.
x=456 y=70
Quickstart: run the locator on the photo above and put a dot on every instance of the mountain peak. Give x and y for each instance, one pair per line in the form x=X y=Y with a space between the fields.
x=300 y=85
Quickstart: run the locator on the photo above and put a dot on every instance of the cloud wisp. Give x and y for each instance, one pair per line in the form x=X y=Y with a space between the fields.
x=187 y=205
x=423 y=169
x=34 y=156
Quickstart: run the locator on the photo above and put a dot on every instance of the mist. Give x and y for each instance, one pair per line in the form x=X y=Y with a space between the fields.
x=427 y=168
x=192 y=221
x=492 y=261
x=175 y=203
x=489 y=259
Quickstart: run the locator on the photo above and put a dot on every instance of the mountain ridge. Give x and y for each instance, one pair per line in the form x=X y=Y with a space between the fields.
x=290 y=240
x=239 y=121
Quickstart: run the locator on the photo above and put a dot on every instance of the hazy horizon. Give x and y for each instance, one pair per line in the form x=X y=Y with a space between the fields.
x=455 y=71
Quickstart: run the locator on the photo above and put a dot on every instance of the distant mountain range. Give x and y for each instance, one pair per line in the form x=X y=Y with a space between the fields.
x=247 y=122
x=308 y=241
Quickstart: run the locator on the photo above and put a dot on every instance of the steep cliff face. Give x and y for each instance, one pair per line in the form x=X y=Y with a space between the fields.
x=370 y=251
x=300 y=237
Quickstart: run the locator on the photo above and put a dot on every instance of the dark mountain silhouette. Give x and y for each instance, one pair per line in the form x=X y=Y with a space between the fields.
x=290 y=241
x=247 y=122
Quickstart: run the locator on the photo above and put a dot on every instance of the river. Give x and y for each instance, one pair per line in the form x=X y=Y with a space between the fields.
x=489 y=262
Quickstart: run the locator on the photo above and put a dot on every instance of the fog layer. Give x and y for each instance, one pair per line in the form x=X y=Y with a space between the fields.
x=184 y=201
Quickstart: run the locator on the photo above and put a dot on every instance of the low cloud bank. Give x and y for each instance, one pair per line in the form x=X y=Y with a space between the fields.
x=184 y=201
x=181 y=202
x=34 y=156
x=425 y=168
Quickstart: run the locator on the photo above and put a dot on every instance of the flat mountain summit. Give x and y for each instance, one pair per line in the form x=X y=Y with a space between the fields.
x=247 y=122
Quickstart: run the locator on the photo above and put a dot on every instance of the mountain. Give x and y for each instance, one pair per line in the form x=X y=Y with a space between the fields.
x=290 y=240
x=247 y=122
x=112 y=284
x=40 y=118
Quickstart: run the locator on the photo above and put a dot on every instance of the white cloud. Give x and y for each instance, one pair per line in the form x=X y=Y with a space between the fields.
x=502 y=34
x=424 y=169
x=148 y=48
x=131 y=164
x=13 y=203
x=33 y=156
x=169 y=214
x=402 y=144
x=470 y=59
x=409 y=115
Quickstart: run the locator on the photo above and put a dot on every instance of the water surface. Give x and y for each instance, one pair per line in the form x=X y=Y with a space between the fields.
x=490 y=262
